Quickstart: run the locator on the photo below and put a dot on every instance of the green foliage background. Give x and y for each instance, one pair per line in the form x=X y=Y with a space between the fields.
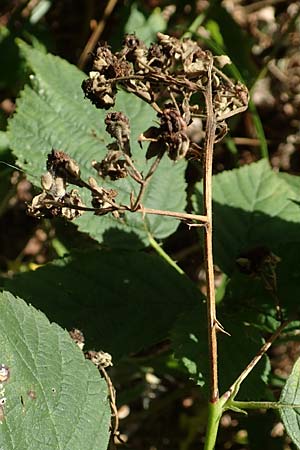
x=125 y=299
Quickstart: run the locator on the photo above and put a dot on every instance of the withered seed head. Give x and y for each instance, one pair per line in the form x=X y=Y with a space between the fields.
x=61 y=165
x=112 y=165
x=98 y=91
x=118 y=126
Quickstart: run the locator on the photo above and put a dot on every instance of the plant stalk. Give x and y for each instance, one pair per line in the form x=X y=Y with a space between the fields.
x=213 y=420
x=160 y=251
x=209 y=268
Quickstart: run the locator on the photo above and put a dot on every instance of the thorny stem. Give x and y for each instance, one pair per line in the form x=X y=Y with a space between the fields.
x=209 y=268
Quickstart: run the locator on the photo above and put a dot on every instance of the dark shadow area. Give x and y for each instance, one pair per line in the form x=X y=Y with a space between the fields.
x=123 y=301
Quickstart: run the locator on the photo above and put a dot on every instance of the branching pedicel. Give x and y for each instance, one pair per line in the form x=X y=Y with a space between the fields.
x=182 y=82
x=171 y=76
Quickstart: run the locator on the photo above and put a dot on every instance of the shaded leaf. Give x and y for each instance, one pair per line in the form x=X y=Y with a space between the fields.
x=256 y=208
x=55 y=399
x=252 y=206
x=290 y=396
x=122 y=301
x=189 y=340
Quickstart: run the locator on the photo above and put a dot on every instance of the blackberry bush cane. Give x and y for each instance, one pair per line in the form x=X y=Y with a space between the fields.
x=181 y=82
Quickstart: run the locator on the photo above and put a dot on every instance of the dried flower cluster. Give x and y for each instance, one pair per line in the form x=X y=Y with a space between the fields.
x=173 y=76
x=61 y=169
x=56 y=201
x=166 y=75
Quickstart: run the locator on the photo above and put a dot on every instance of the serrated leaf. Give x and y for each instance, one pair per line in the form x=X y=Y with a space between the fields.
x=53 y=113
x=290 y=396
x=189 y=340
x=122 y=301
x=252 y=206
x=55 y=399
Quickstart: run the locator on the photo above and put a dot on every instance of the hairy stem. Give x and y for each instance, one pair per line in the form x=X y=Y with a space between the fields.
x=263 y=405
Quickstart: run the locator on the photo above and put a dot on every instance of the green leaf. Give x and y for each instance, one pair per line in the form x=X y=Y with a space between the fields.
x=4 y=142
x=255 y=208
x=189 y=340
x=53 y=113
x=145 y=27
x=55 y=399
x=290 y=396
x=252 y=206
x=122 y=301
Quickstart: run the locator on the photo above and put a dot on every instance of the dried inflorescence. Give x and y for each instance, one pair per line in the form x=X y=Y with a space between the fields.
x=170 y=70
x=61 y=170
x=171 y=136
x=55 y=201
x=100 y=359
x=113 y=165
x=167 y=75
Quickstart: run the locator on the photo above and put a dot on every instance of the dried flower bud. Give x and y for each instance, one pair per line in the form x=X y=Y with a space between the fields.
x=100 y=92
x=71 y=199
x=118 y=126
x=171 y=121
x=103 y=199
x=135 y=51
x=103 y=58
x=47 y=181
x=100 y=359
x=178 y=145
x=61 y=165
x=222 y=60
x=78 y=337
x=112 y=166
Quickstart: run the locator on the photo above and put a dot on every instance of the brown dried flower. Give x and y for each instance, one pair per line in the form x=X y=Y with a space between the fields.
x=61 y=165
x=112 y=165
x=118 y=126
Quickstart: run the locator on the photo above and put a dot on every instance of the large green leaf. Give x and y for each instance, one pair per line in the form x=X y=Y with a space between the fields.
x=252 y=206
x=290 y=396
x=55 y=399
x=256 y=208
x=53 y=113
x=122 y=301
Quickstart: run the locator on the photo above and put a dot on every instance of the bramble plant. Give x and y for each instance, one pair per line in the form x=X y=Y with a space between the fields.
x=130 y=193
